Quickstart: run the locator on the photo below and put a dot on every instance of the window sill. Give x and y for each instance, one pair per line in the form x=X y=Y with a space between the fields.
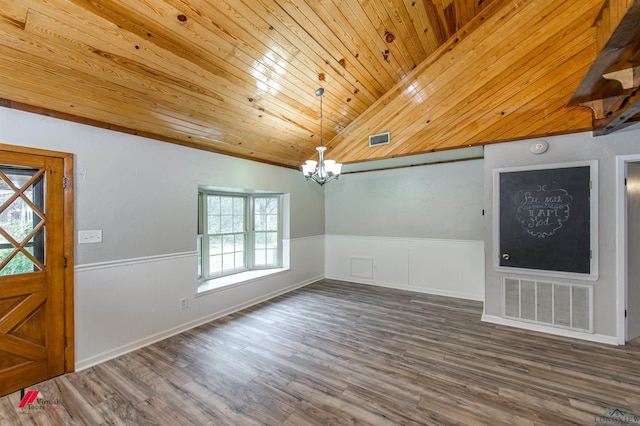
x=224 y=283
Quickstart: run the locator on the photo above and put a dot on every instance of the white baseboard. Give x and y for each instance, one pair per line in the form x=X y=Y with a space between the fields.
x=116 y=352
x=598 y=338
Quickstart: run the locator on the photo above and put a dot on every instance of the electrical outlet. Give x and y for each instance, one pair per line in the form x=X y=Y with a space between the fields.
x=183 y=303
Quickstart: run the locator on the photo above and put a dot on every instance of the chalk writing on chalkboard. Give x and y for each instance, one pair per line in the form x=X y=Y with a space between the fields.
x=542 y=211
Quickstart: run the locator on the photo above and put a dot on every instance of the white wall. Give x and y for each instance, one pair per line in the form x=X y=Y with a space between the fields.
x=143 y=195
x=566 y=148
x=442 y=201
x=415 y=228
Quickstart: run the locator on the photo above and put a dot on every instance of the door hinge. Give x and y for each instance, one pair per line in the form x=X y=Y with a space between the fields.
x=65 y=262
x=65 y=183
x=625 y=313
x=625 y=181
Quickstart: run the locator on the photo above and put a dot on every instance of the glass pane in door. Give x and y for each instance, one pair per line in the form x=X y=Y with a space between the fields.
x=22 y=220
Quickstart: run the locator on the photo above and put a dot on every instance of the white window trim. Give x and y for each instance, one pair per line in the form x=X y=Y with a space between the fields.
x=250 y=272
x=214 y=285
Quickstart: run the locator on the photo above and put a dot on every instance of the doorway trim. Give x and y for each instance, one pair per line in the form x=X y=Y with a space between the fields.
x=621 y=241
x=68 y=244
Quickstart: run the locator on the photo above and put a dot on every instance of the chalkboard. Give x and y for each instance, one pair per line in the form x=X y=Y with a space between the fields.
x=545 y=220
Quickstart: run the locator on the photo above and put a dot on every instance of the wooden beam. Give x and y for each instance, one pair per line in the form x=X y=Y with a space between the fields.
x=628 y=77
x=609 y=125
x=619 y=48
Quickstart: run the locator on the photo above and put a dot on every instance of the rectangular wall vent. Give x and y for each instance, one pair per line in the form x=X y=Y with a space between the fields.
x=554 y=304
x=380 y=139
x=361 y=267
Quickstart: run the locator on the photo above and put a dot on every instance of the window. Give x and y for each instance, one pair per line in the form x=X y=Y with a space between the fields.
x=238 y=232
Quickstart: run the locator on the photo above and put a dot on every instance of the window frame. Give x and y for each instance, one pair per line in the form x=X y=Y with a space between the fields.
x=204 y=273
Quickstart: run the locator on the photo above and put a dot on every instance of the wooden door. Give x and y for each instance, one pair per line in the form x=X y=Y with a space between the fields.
x=34 y=316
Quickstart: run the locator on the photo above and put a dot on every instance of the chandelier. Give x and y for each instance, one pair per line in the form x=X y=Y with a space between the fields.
x=321 y=171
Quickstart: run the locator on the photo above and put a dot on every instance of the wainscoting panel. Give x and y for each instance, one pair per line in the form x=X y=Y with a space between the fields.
x=124 y=305
x=445 y=267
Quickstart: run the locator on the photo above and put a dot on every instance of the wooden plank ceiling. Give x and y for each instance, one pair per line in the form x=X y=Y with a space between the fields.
x=238 y=76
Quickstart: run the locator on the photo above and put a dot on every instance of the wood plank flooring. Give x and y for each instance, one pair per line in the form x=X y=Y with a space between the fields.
x=343 y=353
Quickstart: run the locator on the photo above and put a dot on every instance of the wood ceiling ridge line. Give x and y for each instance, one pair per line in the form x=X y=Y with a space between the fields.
x=395 y=95
x=346 y=81
x=362 y=19
x=357 y=46
x=427 y=25
x=438 y=22
x=412 y=34
x=453 y=16
x=313 y=40
x=403 y=33
x=395 y=49
x=501 y=93
x=397 y=43
x=497 y=27
x=420 y=24
x=331 y=43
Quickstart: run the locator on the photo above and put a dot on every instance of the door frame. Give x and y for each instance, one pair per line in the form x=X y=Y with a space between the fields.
x=621 y=242
x=68 y=244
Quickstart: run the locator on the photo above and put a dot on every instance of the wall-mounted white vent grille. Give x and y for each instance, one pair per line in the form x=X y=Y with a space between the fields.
x=559 y=305
x=380 y=139
x=361 y=267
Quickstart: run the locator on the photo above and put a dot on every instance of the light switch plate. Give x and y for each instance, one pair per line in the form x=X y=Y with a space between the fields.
x=90 y=237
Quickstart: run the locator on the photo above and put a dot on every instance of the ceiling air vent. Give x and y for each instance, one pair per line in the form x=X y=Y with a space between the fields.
x=379 y=139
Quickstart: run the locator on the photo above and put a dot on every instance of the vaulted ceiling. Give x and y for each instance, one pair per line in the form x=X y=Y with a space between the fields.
x=238 y=76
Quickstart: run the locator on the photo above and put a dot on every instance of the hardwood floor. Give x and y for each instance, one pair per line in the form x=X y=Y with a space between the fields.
x=343 y=353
